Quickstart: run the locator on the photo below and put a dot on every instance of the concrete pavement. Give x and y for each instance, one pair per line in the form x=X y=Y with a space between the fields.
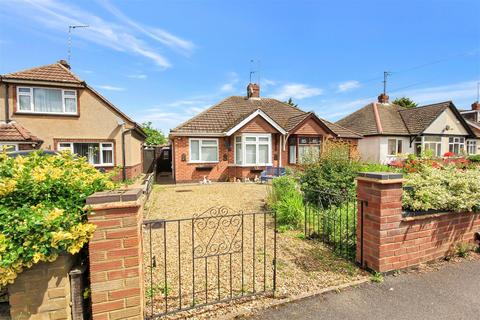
x=450 y=293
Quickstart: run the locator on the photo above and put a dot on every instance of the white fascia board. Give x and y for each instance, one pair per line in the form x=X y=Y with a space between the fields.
x=260 y=113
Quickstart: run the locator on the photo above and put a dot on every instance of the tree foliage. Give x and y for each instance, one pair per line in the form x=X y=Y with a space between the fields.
x=290 y=102
x=155 y=136
x=405 y=102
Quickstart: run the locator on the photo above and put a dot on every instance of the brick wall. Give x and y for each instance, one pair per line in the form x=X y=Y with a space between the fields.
x=43 y=291
x=392 y=241
x=115 y=253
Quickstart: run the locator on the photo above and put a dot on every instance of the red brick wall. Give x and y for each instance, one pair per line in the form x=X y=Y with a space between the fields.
x=258 y=125
x=391 y=241
x=116 y=255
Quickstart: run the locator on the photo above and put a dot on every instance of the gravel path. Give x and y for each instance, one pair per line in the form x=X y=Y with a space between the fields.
x=302 y=266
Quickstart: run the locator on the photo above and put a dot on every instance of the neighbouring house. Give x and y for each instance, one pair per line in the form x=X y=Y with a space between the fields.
x=241 y=135
x=472 y=117
x=390 y=131
x=51 y=108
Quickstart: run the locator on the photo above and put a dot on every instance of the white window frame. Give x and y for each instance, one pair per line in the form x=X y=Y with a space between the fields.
x=32 y=106
x=101 y=148
x=200 y=141
x=423 y=141
x=14 y=145
x=398 y=143
x=257 y=143
x=456 y=141
x=471 y=143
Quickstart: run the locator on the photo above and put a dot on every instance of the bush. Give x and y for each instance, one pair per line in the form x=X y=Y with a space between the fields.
x=41 y=208
x=444 y=187
x=474 y=158
x=286 y=200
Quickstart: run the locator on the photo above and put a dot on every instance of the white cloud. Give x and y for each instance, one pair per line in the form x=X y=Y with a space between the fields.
x=110 y=88
x=157 y=34
x=230 y=85
x=268 y=82
x=348 y=85
x=296 y=91
x=137 y=76
x=122 y=36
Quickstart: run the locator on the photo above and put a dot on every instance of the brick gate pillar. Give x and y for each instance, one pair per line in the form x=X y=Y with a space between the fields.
x=380 y=196
x=116 y=255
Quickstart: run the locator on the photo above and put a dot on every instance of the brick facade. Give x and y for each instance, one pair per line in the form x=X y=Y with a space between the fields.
x=392 y=241
x=43 y=291
x=116 y=255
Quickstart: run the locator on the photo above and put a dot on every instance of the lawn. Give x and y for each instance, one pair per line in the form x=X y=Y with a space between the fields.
x=302 y=265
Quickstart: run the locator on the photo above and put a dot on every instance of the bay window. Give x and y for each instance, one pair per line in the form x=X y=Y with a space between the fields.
x=46 y=100
x=203 y=150
x=97 y=153
x=8 y=147
x=456 y=145
x=253 y=149
x=424 y=143
x=471 y=147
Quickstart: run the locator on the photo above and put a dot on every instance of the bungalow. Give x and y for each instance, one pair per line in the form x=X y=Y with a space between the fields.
x=49 y=107
x=390 y=130
x=241 y=135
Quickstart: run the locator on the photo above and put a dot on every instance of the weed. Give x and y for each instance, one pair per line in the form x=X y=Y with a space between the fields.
x=300 y=236
x=158 y=289
x=463 y=249
x=376 y=277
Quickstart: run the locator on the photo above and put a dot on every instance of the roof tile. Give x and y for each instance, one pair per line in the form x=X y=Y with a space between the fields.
x=14 y=132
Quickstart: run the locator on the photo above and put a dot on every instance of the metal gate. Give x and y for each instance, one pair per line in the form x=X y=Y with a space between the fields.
x=331 y=217
x=216 y=256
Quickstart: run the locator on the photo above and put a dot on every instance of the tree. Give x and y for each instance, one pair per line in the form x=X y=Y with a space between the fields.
x=405 y=102
x=155 y=137
x=290 y=102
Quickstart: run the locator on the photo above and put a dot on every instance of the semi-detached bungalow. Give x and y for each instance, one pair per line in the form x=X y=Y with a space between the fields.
x=390 y=130
x=241 y=135
x=51 y=108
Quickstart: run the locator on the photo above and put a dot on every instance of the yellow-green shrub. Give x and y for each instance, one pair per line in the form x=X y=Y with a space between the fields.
x=41 y=208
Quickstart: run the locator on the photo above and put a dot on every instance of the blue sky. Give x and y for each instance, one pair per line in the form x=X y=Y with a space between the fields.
x=164 y=61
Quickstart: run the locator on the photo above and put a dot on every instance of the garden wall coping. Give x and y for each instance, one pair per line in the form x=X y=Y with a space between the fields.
x=127 y=195
x=381 y=175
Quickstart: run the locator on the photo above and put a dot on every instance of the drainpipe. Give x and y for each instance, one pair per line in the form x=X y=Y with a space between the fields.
x=124 y=159
x=7 y=107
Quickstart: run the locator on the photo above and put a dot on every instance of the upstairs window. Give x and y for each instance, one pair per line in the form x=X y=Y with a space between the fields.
x=46 y=100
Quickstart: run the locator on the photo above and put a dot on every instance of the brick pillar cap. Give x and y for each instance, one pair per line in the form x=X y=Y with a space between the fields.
x=381 y=177
x=125 y=195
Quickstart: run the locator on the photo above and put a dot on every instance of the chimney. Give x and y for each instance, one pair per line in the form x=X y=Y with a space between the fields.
x=383 y=98
x=64 y=63
x=476 y=106
x=253 y=90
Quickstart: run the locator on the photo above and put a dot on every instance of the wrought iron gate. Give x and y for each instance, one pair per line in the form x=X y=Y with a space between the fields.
x=332 y=219
x=216 y=256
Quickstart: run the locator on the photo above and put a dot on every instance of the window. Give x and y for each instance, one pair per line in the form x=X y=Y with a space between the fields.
x=8 y=147
x=433 y=143
x=46 y=100
x=253 y=149
x=308 y=149
x=456 y=145
x=203 y=150
x=98 y=154
x=395 y=146
x=472 y=146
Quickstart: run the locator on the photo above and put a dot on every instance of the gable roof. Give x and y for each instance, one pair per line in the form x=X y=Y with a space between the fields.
x=55 y=72
x=390 y=119
x=58 y=74
x=14 y=132
x=229 y=113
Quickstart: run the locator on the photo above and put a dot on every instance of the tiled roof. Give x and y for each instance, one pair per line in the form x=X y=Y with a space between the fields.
x=231 y=111
x=14 y=132
x=418 y=119
x=55 y=72
x=393 y=119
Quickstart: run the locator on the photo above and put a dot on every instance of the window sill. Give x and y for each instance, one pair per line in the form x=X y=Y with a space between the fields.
x=252 y=165
x=46 y=114
x=202 y=162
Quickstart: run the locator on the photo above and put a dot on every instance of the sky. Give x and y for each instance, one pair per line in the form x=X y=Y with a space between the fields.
x=165 y=61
